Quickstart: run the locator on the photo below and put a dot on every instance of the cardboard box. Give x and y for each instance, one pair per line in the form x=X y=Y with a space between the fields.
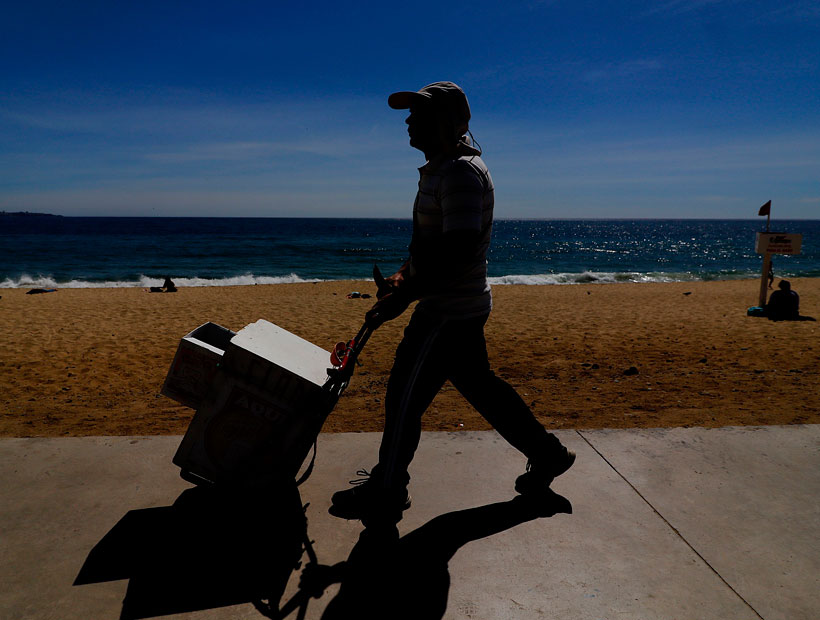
x=195 y=364
x=264 y=412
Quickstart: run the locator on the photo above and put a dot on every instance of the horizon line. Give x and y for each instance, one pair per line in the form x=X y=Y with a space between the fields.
x=336 y=217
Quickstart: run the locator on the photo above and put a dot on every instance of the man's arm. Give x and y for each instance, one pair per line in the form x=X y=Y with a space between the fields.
x=443 y=262
x=437 y=264
x=391 y=283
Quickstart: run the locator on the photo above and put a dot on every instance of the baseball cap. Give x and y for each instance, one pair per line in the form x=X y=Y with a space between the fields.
x=448 y=99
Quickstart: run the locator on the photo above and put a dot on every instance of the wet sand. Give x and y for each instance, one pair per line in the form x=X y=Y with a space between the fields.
x=92 y=361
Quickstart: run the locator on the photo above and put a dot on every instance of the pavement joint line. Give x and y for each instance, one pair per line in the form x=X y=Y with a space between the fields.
x=666 y=521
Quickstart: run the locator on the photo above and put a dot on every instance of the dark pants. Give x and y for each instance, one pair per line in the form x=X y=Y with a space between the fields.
x=432 y=351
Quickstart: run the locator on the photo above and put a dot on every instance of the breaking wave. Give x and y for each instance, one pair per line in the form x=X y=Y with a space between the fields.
x=26 y=281
x=602 y=277
x=585 y=277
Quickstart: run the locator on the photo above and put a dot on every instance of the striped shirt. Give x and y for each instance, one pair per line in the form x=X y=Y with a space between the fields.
x=455 y=195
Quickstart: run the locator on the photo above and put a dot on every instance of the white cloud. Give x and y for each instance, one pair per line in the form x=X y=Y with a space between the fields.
x=286 y=160
x=678 y=7
x=243 y=123
x=190 y=202
x=621 y=70
x=785 y=10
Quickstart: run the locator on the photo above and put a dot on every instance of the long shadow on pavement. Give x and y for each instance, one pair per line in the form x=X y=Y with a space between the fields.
x=215 y=548
x=390 y=577
x=211 y=548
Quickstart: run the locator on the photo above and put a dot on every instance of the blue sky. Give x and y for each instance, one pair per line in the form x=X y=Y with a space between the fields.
x=672 y=108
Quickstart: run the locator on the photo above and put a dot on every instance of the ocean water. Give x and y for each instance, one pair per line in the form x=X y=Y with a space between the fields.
x=65 y=252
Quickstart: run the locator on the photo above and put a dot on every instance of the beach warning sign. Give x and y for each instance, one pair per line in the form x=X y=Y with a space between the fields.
x=778 y=243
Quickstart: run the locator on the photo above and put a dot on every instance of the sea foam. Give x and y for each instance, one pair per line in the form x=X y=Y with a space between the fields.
x=26 y=281
x=584 y=277
x=592 y=277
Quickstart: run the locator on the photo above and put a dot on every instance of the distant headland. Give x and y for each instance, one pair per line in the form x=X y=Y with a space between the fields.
x=27 y=214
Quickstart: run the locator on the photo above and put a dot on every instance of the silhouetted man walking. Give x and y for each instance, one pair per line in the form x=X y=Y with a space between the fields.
x=447 y=273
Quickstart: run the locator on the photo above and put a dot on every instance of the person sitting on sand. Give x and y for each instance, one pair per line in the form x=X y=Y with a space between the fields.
x=167 y=287
x=784 y=304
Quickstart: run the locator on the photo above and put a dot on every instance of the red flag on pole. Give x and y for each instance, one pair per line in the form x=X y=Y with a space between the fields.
x=765 y=209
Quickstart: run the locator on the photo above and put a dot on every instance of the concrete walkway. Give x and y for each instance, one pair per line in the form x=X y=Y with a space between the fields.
x=666 y=523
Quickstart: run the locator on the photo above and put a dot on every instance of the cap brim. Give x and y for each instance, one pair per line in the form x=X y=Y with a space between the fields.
x=404 y=99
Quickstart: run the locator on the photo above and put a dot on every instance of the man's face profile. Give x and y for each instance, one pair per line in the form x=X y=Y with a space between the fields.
x=422 y=127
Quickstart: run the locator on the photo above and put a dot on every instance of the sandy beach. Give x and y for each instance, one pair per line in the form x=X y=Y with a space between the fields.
x=92 y=361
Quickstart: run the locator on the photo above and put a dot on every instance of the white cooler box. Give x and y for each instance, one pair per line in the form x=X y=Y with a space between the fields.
x=263 y=412
x=195 y=363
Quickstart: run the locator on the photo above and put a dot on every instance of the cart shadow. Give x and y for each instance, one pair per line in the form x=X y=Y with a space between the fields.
x=390 y=577
x=211 y=548
x=216 y=548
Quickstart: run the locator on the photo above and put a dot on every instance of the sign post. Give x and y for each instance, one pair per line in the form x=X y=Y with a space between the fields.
x=768 y=243
x=767 y=265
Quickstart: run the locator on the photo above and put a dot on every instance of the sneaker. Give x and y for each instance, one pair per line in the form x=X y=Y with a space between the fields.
x=368 y=501
x=538 y=478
